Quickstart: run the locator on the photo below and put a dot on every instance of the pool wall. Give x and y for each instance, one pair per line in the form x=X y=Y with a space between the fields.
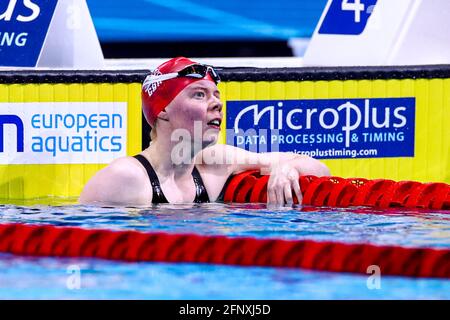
x=414 y=100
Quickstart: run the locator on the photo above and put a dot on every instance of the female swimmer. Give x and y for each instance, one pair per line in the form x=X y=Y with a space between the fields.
x=183 y=163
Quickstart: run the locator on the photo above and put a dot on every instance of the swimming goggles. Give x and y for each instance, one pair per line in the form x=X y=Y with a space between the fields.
x=198 y=71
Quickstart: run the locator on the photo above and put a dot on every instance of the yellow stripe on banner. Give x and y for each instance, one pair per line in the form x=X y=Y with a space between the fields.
x=30 y=181
x=432 y=147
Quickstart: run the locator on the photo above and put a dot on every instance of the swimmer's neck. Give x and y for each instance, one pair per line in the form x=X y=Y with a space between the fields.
x=167 y=161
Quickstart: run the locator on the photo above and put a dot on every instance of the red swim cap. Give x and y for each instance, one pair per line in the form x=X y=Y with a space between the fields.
x=156 y=96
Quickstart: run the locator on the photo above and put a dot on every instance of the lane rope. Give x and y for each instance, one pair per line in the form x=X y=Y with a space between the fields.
x=134 y=246
x=251 y=187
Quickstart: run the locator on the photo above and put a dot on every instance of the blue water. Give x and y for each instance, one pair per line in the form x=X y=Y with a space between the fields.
x=197 y=20
x=50 y=278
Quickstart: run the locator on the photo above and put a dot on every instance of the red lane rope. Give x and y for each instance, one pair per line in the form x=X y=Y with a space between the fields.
x=250 y=186
x=46 y=240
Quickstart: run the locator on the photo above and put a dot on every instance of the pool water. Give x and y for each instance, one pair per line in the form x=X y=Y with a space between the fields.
x=51 y=278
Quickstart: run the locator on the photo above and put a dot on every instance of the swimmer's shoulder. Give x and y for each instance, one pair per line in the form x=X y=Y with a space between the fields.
x=123 y=181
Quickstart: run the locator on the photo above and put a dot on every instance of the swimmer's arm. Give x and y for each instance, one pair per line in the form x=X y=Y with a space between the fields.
x=304 y=164
x=267 y=162
x=117 y=184
x=284 y=169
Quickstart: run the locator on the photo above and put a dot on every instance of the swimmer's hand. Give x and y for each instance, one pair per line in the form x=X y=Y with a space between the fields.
x=284 y=168
x=284 y=183
x=283 y=180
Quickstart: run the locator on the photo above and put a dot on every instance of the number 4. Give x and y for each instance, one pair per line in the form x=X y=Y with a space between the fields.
x=355 y=6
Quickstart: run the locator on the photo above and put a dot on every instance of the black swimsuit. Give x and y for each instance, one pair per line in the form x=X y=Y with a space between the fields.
x=201 y=195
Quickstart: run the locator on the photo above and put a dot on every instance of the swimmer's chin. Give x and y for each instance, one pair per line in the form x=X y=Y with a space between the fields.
x=210 y=142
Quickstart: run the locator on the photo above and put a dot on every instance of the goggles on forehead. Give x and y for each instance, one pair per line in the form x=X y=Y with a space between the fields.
x=198 y=71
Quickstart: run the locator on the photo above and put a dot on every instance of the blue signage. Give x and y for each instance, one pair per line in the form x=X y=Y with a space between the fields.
x=324 y=129
x=23 y=28
x=15 y=120
x=347 y=17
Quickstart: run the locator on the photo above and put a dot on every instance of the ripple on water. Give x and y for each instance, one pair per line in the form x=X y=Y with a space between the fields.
x=391 y=227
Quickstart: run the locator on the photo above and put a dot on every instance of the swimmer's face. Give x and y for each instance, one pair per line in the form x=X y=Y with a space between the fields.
x=199 y=103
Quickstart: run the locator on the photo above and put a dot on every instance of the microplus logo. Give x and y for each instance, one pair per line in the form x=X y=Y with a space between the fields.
x=328 y=128
x=23 y=27
x=62 y=132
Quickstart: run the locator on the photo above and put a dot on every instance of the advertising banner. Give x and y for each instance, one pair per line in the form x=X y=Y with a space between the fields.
x=62 y=132
x=23 y=28
x=325 y=128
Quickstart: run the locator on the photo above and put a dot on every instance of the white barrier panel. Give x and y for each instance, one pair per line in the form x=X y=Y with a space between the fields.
x=48 y=33
x=381 y=32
